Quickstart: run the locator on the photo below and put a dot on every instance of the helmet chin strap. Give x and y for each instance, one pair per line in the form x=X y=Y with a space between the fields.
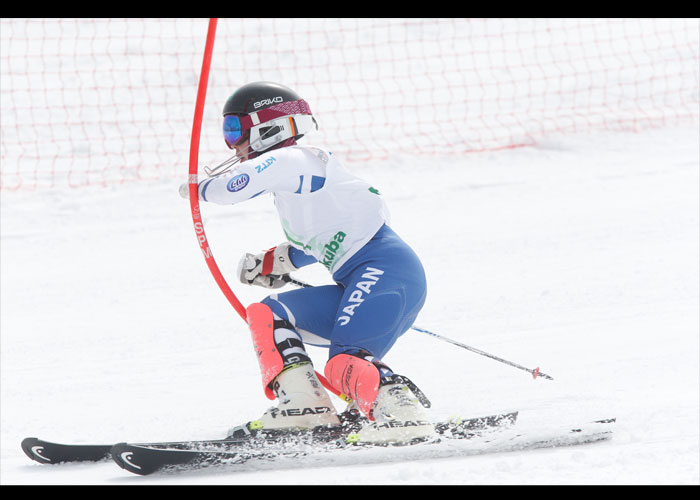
x=228 y=164
x=222 y=167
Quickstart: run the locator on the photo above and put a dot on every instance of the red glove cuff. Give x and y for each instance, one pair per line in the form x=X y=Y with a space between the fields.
x=268 y=262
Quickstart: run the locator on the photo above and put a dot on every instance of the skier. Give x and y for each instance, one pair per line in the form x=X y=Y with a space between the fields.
x=331 y=217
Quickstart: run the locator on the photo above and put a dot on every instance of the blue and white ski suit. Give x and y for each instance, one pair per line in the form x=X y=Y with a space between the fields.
x=338 y=220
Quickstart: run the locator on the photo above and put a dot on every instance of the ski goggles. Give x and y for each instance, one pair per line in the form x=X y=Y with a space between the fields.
x=235 y=127
x=233 y=130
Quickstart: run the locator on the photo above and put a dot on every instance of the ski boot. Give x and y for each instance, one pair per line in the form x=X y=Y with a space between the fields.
x=398 y=415
x=393 y=406
x=303 y=402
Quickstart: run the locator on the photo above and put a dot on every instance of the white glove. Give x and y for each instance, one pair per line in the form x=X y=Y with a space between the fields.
x=268 y=269
x=185 y=191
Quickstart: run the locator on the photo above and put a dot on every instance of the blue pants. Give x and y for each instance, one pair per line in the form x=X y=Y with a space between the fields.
x=379 y=292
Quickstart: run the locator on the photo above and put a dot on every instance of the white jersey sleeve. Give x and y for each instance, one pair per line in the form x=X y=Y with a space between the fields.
x=325 y=211
x=276 y=171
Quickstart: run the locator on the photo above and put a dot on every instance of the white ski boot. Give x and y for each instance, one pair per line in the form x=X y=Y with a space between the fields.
x=399 y=417
x=303 y=402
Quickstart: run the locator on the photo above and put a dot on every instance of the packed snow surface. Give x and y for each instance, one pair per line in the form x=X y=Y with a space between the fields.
x=579 y=255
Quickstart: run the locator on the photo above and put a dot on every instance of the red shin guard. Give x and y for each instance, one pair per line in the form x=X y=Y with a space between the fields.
x=261 y=324
x=356 y=378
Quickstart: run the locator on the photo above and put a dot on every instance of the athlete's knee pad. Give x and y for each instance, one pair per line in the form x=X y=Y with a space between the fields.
x=358 y=376
x=276 y=342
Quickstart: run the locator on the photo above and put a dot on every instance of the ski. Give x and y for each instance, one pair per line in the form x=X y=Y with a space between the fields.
x=146 y=459
x=246 y=444
x=46 y=452
x=490 y=435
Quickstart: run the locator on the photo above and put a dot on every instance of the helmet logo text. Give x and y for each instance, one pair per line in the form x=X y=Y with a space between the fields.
x=267 y=102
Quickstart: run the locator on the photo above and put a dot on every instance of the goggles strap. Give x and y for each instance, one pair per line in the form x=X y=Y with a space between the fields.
x=300 y=107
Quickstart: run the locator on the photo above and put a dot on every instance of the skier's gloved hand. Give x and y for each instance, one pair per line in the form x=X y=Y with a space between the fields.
x=268 y=269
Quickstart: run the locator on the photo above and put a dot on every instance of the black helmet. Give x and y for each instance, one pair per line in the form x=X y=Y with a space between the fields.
x=268 y=114
x=256 y=96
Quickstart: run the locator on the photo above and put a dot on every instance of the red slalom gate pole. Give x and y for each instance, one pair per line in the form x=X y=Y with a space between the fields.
x=193 y=174
x=193 y=182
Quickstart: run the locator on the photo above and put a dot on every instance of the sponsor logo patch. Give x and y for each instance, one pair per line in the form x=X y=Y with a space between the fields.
x=330 y=249
x=238 y=182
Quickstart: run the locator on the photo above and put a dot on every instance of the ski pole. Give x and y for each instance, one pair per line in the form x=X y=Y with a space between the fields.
x=534 y=372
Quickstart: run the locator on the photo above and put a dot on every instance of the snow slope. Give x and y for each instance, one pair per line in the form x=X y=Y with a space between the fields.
x=579 y=255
